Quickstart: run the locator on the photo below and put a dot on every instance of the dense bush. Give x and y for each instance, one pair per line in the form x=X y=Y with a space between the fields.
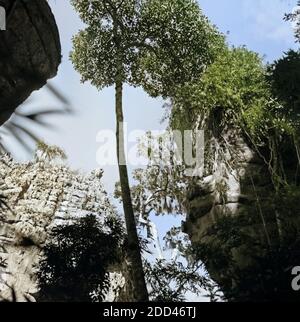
x=267 y=277
x=77 y=259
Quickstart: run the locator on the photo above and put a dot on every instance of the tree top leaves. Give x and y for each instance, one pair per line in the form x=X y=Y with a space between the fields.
x=161 y=44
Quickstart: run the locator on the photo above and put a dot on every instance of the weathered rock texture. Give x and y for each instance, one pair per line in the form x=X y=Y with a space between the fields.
x=238 y=186
x=30 y=52
x=41 y=194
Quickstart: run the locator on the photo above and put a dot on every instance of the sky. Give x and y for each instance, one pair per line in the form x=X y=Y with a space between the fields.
x=256 y=24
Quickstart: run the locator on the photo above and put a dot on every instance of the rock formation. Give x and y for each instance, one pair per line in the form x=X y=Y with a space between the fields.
x=41 y=194
x=235 y=220
x=30 y=52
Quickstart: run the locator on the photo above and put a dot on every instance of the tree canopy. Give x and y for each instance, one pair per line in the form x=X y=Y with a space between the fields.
x=249 y=93
x=285 y=80
x=161 y=43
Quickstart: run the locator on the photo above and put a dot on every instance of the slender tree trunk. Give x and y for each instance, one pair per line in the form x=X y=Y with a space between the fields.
x=134 y=250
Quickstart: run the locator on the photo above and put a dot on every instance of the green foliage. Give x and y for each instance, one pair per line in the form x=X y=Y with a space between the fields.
x=284 y=75
x=239 y=91
x=77 y=259
x=170 y=281
x=262 y=101
x=266 y=277
x=236 y=85
x=181 y=43
x=290 y=196
x=249 y=95
x=156 y=44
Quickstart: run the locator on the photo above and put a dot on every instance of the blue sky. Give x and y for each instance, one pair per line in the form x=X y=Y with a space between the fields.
x=258 y=24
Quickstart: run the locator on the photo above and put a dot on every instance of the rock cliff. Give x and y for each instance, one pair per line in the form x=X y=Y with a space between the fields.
x=30 y=52
x=41 y=194
x=245 y=232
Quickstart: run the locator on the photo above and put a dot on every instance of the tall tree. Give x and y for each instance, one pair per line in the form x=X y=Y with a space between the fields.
x=156 y=44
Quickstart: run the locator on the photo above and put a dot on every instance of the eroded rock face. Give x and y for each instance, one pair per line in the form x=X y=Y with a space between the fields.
x=237 y=191
x=30 y=52
x=41 y=194
x=237 y=175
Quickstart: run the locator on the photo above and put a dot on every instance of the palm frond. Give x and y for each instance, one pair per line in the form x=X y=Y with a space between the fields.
x=21 y=125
